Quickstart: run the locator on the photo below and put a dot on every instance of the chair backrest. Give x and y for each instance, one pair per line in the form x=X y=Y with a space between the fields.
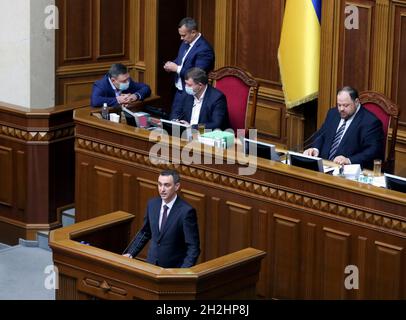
x=237 y=85
x=388 y=112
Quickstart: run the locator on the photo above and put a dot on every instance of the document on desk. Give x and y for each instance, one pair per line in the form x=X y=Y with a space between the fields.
x=328 y=169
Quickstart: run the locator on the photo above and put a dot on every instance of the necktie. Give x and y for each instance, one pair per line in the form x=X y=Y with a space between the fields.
x=336 y=142
x=164 y=217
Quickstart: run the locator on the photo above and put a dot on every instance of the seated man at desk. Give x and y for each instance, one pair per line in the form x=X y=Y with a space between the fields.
x=350 y=134
x=202 y=103
x=171 y=225
x=116 y=87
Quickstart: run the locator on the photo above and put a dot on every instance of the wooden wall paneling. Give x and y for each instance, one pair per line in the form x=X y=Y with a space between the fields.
x=335 y=258
x=400 y=158
x=21 y=185
x=329 y=42
x=77 y=35
x=6 y=172
x=67 y=288
x=261 y=240
x=362 y=259
x=93 y=34
x=213 y=224
x=223 y=26
x=309 y=261
x=82 y=200
x=356 y=47
x=389 y=263
x=104 y=184
x=128 y=186
x=146 y=189
x=113 y=26
x=236 y=22
x=398 y=93
x=269 y=120
x=198 y=201
x=38 y=182
x=204 y=12
x=74 y=87
x=380 y=46
x=286 y=239
x=239 y=226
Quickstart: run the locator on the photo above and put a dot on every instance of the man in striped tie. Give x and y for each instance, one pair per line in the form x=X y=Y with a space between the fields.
x=170 y=223
x=350 y=134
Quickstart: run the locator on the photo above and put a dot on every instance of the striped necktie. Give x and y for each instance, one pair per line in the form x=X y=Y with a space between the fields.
x=336 y=141
x=164 y=217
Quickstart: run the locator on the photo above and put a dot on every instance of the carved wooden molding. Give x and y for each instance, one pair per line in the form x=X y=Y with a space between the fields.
x=36 y=136
x=270 y=193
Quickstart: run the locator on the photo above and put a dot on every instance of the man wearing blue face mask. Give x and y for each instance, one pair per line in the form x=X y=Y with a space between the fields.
x=116 y=87
x=202 y=103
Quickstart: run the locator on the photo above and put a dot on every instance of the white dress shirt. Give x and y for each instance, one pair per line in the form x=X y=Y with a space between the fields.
x=178 y=83
x=169 y=205
x=197 y=107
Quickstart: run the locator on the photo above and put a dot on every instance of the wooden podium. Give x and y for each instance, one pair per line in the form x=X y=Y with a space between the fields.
x=98 y=270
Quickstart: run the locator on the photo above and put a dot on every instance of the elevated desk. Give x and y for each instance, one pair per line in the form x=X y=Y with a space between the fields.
x=312 y=225
x=100 y=271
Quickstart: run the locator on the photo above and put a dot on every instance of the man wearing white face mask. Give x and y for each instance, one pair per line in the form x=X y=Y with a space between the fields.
x=202 y=103
x=116 y=87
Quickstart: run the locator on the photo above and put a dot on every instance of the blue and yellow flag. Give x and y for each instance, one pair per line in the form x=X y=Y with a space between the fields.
x=299 y=51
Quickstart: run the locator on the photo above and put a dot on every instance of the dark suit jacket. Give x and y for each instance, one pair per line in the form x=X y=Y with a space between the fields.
x=178 y=245
x=102 y=92
x=213 y=113
x=362 y=142
x=200 y=56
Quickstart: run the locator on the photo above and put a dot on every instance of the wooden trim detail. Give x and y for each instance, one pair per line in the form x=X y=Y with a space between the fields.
x=272 y=193
x=37 y=136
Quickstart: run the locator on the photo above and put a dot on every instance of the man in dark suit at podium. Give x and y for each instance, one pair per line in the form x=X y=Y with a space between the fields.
x=171 y=225
x=350 y=134
x=195 y=51
x=116 y=87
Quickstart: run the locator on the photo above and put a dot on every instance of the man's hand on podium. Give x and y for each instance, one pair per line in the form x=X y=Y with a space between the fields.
x=128 y=255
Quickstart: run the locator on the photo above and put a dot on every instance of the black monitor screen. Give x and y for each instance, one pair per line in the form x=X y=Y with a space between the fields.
x=130 y=119
x=173 y=127
x=306 y=162
x=263 y=150
x=395 y=183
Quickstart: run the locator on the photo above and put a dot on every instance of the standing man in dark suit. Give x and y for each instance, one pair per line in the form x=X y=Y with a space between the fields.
x=350 y=134
x=202 y=103
x=194 y=51
x=171 y=225
x=116 y=87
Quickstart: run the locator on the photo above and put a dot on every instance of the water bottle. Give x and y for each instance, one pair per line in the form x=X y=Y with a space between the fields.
x=105 y=112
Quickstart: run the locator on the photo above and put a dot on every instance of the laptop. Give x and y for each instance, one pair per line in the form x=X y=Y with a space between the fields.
x=136 y=119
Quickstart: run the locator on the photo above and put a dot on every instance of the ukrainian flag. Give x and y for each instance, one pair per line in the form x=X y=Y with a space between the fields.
x=299 y=51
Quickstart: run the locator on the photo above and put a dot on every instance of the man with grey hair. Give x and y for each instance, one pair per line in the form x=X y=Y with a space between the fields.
x=116 y=87
x=194 y=51
x=202 y=103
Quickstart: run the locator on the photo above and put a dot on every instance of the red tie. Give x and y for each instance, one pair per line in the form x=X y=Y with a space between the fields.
x=164 y=217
